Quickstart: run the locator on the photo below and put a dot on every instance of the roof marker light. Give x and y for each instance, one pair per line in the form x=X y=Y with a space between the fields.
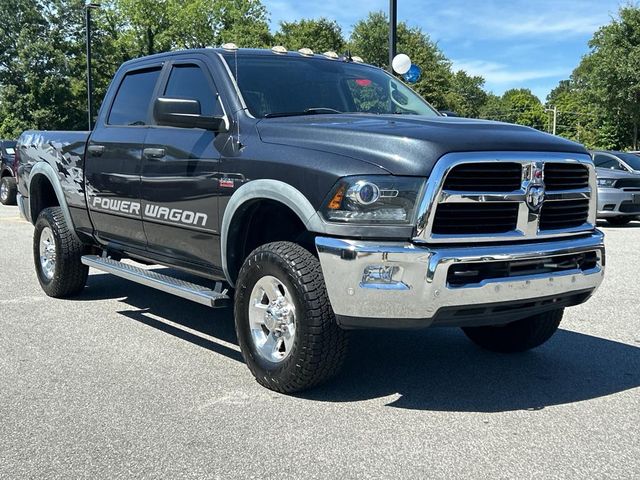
x=332 y=55
x=357 y=59
x=279 y=49
x=307 y=52
x=230 y=46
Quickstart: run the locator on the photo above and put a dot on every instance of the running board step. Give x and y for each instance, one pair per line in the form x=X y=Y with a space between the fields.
x=189 y=291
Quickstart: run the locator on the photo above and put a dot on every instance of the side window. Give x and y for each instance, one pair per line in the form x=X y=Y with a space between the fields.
x=604 y=161
x=190 y=81
x=131 y=104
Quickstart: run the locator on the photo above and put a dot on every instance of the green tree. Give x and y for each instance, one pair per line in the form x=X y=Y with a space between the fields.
x=466 y=96
x=319 y=35
x=35 y=68
x=369 y=40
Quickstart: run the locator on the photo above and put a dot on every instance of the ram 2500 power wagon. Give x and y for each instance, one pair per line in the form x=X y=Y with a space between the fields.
x=326 y=195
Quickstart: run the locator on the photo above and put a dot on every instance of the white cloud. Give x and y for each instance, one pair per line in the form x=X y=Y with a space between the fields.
x=500 y=74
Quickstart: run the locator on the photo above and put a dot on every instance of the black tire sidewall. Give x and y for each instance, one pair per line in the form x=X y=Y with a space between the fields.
x=270 y=264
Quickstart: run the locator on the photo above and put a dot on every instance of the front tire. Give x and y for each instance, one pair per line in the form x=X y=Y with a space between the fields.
x=57 y=255
x=286 y=328
x=518 y=336
x=619 y=221
x=8 y=191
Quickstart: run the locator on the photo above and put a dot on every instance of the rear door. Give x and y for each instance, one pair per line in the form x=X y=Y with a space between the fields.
x=114 y=156
x=180 y=173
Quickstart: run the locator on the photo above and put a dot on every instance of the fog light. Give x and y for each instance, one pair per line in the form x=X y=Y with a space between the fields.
x=383 y=277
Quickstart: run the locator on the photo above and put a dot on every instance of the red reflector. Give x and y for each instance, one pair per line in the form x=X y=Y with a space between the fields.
x=363 y=82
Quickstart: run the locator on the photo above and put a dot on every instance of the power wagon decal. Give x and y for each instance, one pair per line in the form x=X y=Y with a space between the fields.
x=151 y=211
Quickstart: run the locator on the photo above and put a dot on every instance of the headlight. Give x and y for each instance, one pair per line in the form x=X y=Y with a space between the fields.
x=606 y=182
x=374 y=200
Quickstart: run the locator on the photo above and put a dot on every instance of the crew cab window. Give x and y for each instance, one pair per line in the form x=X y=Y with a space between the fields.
x=190 y=81
x=131 y=105
x=603 y=161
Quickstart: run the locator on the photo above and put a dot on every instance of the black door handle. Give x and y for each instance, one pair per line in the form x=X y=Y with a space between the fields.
x=96 y=150
x=154 y=152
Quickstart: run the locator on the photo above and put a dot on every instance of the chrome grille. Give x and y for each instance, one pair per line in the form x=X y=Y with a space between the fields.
x=486 y=177
x=470 y=218
x=565 y=176
x=564 y=214
x=489 y=197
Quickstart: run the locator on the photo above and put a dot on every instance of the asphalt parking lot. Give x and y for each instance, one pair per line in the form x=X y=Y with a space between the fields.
x=127 y=382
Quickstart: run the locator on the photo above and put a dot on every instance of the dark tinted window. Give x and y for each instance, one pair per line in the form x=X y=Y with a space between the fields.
x=630 y=159
x=273 y=84
x=604 y=161
x=132 y=100
x=189 y=81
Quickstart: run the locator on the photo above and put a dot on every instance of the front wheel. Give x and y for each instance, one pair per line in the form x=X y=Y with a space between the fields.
x=57 y=255
x=8 y=191
x=517 y=336
x=286 y=328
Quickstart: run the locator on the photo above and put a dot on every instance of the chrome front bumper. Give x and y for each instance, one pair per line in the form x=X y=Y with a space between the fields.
x=611 y=199
x=376 y=284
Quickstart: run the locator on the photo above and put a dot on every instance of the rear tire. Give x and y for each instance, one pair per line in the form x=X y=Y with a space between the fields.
x=619 y=221
x=56 y=254
x=286 y=328
x=518 y=336
x=8 y=191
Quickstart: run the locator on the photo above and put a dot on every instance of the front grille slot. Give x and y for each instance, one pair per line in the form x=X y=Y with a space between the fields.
x=630 y=183
x=473 y=273
x=485 y=177
x=565 y=176
x=630 y=207
x=475 y=218
x=564 y=214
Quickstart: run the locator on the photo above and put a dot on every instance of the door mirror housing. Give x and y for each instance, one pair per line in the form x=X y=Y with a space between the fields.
x=185 y=113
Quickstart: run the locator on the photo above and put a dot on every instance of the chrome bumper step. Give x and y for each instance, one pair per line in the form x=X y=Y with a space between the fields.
x=181 y=288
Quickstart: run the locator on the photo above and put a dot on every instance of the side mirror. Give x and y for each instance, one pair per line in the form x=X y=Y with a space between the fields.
x=448 y=113
x=184 y=113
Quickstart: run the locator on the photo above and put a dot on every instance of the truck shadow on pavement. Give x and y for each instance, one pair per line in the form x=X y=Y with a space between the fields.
x=434 y=369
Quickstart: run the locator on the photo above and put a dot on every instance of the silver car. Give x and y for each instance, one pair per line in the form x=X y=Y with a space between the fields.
x=618 y=186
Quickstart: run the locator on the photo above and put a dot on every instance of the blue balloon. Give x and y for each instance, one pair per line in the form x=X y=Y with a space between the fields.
x=413 y=75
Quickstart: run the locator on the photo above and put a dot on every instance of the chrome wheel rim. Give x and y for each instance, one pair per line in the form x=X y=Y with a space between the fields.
x=4 y=191
x=272 y=319
x=47 y=253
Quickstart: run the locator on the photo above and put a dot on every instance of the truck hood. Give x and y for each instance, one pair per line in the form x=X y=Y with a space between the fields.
x=406 y=145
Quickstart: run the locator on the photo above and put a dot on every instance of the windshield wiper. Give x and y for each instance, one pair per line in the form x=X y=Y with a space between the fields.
x=308 y=111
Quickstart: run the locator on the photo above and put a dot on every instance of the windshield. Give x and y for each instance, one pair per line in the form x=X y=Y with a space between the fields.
x=274 y=85
x=630 y=159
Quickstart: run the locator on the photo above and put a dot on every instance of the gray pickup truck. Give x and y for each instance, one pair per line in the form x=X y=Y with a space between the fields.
x=318 y=194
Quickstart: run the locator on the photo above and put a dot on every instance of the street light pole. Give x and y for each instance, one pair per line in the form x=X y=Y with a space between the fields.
x=88 y=8
x=393 y=31
x=554 y=109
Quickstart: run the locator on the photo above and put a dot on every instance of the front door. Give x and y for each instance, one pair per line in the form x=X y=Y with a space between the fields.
x=179 y=187
x=113 y=162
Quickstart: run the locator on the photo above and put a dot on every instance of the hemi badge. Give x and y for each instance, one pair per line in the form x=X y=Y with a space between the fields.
x=226 y=183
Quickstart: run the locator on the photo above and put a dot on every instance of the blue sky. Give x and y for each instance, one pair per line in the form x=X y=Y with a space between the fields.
x=517 y=43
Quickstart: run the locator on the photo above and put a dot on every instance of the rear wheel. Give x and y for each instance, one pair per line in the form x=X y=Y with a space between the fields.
x=56 y=254
x=286 y=329
x=619 y=221
x=517 y=336
x=8 y=191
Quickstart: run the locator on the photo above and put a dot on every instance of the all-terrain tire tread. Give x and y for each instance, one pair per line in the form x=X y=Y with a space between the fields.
x=71 y=275
x=323 y=345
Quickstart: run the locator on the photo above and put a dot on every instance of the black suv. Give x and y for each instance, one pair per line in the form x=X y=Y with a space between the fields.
x=7 y=175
